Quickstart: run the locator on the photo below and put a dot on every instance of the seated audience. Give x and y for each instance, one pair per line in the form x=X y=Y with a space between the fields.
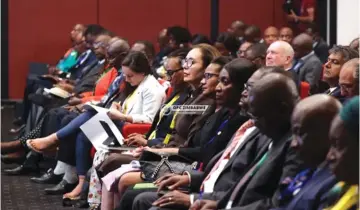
x=344 y=158
x=320 y=47
x=311 y=122
x=339 y=55
x=286 y=34
x=227 y=44
x=256 y=54
x=243 y=47
x=271 y=34
x=307 y=65
x=142 y=108
x=272 y=163
x=237 y=29
x=349 y=78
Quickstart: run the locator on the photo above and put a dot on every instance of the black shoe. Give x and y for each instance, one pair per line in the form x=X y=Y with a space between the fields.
x=22 y=170
x=19 y=121
x=48 y=178
x=17 y=158
x=61 y=188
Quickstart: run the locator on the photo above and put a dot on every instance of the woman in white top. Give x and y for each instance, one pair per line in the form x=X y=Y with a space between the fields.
x=142 y=97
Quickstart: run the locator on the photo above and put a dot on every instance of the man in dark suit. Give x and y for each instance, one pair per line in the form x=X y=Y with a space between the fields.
x=271 y=101
x=307 y=65
x=311 y=122
x=338 y=56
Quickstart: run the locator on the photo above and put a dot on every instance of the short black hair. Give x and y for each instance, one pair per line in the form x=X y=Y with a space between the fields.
x=149 y=48
x=347 y=52
x=137 y=62
x=200 y=38
x=240 y=70
x=179 y=53
x=230 y=42
x=258 y=50
x=94 y=30
x=252 y=32
x=180 y=34
x=221 y=60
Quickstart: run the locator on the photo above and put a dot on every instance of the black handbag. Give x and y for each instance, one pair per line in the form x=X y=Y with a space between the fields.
x=155 y=165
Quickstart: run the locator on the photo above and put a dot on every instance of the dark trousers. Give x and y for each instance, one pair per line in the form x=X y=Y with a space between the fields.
x=32 y=84
x=144 y=201
x=127 y=199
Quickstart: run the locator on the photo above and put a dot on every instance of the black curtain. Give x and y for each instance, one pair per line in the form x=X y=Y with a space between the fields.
x=321 y=19
x=4 y=49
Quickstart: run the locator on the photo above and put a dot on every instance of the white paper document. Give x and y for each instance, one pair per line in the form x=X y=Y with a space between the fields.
x=95 y=132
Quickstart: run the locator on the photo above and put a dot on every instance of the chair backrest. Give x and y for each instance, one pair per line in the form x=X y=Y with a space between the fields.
x=304 y=89
x=167 y=86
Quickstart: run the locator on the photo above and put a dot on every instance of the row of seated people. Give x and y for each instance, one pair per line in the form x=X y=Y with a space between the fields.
x=198 y=77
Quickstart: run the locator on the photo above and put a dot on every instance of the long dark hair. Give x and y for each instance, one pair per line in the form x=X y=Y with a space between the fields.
x=138 y=63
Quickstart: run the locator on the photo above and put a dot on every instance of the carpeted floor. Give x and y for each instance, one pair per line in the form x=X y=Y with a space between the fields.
x=17 y=192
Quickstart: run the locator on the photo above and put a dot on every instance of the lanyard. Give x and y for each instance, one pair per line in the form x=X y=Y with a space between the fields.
x=127 y=101
x=218 y=131
x=348 y=200
x=162 y=113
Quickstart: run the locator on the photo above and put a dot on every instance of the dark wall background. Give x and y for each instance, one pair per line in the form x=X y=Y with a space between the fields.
x=38 y=30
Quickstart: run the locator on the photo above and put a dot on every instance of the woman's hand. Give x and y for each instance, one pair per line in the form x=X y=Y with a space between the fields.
x=74 y=101
x=173 y=198
x=204 y=205
x=115 y=114
x=137 y=152
x=116 y=106
x=136 y=139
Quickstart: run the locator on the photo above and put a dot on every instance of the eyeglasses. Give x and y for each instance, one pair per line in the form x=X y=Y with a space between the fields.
x=208 y=76
x=170 y=73
x=99 y=44
x=187 y=63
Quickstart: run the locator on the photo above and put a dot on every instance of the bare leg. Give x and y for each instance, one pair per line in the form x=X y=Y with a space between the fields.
x=77 y=190
x=42 y=144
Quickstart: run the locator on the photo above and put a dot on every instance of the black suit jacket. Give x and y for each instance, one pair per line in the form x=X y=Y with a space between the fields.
x=263 y=189
x=88 y=78
x=238 y=163
x=337 y=94
x=200 y=148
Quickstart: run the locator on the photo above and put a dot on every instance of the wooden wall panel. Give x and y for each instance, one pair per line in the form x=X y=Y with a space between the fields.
x=258 y=12
x=39 y=31
x=141 y=19
x=199 y=19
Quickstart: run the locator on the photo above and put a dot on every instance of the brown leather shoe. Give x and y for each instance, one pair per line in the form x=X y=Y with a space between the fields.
x=10 y=146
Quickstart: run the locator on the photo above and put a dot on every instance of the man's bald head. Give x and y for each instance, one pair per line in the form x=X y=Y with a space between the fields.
x=286 y=34
x=302 y=44
x=349 y=78
x=116 y=52
x=280 y=53
x=311 y=121
x=271 y=102
x=271 y=34
x=252 y=34
x=237 y=28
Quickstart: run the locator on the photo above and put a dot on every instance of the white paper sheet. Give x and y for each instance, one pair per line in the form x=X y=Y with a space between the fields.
x=96 y=133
